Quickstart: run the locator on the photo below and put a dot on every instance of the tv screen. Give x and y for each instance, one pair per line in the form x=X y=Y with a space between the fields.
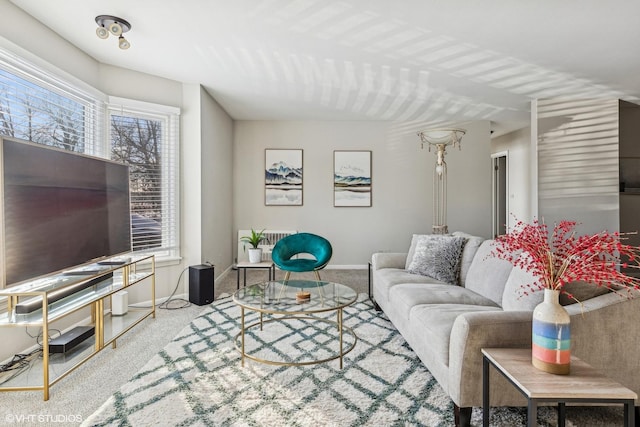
x=60 y=209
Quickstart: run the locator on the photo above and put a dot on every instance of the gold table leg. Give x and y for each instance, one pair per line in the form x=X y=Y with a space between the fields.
x=242 y=336
x=45 y=348
x=340 y=334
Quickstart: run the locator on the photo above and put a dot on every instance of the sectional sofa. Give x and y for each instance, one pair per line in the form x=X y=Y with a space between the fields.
x=447 y=322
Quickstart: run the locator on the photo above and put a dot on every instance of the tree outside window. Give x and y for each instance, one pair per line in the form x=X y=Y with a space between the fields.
x=137 y=142
x=34 y=113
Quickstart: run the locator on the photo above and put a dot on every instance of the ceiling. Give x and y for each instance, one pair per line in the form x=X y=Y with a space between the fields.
x=416 y=61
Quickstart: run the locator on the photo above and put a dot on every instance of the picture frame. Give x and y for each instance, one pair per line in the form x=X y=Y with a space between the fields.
x=352 y=178
x=283 y=179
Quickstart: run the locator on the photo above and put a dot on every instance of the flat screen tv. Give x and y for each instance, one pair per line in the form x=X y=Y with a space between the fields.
x=59 y=209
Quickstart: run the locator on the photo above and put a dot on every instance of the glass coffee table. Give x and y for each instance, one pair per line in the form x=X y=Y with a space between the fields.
x=297 y=313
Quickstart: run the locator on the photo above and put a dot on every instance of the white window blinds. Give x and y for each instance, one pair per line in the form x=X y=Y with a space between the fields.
x=37 y=106
x=146 y=139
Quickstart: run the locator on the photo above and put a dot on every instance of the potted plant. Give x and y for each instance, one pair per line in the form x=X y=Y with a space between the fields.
x=256 y=237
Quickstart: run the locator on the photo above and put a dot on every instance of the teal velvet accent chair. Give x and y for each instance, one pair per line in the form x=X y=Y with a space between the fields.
x=285 y=251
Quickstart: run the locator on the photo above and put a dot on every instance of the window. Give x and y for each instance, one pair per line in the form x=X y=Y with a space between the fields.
x=36 y=105
x=144 y=136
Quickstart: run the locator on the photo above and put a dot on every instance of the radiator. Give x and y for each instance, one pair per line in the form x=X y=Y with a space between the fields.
x=267 y=246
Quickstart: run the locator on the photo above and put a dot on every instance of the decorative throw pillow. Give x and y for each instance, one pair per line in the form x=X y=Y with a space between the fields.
x=438 y=257
x=412 y=248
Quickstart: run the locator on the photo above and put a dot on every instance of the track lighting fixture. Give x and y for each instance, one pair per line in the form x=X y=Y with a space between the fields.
x=123 y=43
x=108 y=24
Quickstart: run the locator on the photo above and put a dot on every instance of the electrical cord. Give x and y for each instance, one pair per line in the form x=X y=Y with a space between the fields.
x=38 y=337
x=186 y=303
x=165 y=304
x=18 y=364
x=22 y=361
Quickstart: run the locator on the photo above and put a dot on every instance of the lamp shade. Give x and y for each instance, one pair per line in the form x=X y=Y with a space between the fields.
x=115 y=29
x=123 y=43
x=102 y=32
x=444 y=136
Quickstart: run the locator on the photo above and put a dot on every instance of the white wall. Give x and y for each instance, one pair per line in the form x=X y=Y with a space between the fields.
x=27 y=37
x=120 y=82
x=216 y=193
x=578 y=166
x=401 y=183
x=518 y=146
x=190 y=172
x=206 y=185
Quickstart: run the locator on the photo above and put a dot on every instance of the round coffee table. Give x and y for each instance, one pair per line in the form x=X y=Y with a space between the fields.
x=286 y=301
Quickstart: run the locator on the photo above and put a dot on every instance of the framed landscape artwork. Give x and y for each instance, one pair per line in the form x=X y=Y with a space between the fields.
x=283 y=177
x=352 y=178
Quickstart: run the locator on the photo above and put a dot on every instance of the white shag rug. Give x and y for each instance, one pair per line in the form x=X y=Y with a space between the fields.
x=197 y=379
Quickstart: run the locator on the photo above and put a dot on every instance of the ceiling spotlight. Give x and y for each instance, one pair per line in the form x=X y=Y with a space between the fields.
x=115 y=29
x=108 y=24
x=123 y=43
x=102 y=32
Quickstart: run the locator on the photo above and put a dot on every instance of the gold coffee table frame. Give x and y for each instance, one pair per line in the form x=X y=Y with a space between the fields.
x=279 y=298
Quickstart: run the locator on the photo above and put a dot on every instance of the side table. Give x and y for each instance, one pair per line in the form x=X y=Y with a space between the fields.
x=584 y=384
x=265 y=265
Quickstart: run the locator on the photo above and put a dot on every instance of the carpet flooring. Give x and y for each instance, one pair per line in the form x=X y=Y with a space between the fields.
x=197 y=380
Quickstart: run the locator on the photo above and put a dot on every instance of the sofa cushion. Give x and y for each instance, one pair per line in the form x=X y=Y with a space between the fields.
x=434 y=323
x=520 y=291
x=437 y=256
x=468 y=253
x=488 y=274
x=386 y=278
x=405 y=296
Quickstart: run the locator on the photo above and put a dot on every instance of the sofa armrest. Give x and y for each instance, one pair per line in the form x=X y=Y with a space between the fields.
x=473 y=331
x=388 y=260
x=605 y=334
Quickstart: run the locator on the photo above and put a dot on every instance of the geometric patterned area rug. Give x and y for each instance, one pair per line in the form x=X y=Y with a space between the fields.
x=197 y=379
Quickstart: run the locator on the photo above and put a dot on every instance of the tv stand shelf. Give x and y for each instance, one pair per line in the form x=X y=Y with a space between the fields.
x=103 y=281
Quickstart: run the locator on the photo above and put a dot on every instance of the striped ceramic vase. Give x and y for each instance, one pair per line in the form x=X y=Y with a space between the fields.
x=551 y=335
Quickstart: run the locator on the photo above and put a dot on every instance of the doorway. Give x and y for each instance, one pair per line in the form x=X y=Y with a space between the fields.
x=500 y=192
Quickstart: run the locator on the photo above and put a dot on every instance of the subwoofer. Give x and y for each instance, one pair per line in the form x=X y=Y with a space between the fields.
x=201 y=284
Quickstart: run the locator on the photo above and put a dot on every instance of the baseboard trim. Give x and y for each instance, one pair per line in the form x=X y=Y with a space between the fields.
x=346 y=267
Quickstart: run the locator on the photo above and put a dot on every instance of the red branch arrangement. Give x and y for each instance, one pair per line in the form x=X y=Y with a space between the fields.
x=564 y=257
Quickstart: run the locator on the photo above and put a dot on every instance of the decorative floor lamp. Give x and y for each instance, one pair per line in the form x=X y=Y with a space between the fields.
x=440 y=139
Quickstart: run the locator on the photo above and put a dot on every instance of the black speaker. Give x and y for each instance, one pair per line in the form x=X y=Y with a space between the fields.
x=201 y=284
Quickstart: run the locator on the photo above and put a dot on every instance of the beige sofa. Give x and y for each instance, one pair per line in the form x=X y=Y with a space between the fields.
x=448 y=324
